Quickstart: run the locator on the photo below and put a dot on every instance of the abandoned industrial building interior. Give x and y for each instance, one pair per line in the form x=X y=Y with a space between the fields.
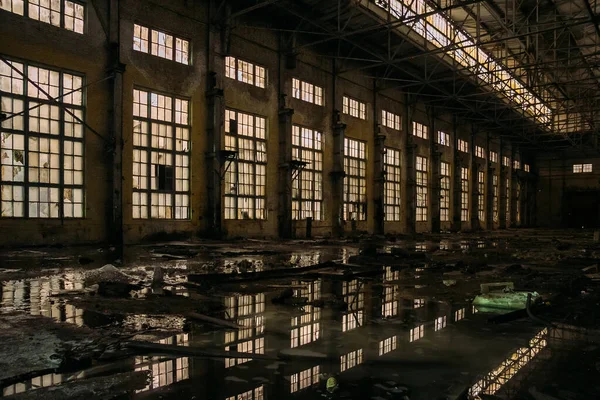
x=273 y=199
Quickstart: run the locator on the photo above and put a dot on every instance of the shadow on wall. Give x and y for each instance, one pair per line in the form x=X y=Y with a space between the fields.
x=581 y=209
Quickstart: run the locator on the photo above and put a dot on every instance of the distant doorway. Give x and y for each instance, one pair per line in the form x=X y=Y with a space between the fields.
x=581 y=209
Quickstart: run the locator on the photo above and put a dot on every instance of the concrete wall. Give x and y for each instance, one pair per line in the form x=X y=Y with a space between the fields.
x=90 y=54
x=556 y=181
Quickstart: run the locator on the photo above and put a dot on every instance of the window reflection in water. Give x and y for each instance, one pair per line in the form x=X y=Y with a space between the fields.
x=254 y=394
x=304 y=379
x=354 y=297
x=416 y=333
x=35 y=295
x=418 y=303
x=165 y=372
x=459 y=314
x=351 y=360
x=306 y=328
x=495 y=379
x=440 y=323
x=247 y=311
x=387 y=345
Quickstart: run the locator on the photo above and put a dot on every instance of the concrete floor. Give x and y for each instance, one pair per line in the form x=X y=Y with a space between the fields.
x=382 y=315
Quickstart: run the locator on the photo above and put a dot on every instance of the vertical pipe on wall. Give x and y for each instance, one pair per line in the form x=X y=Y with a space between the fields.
x=116 y=137
x=379 y=176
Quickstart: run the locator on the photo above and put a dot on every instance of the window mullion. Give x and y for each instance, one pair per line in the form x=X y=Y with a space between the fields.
x=174 y=150
x=26 y=100
x=61 y=11
x=149 y=156
x=61 y=146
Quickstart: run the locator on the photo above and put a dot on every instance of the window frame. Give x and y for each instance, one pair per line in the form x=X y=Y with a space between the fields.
x=481 y=206
x=396 y=119
x=236 y=163
x=464 y=194
x=583 y=168
x=255 y=75
x=63 y=118
x=445 y=187
x=394 y=170
x=443 y=138
x=361 y=107
x=61 y=12
x=423 y=130
x=298 y=92
x=358 y=207
x=164 y=32
x=421 y=185
x=173 y=152
x=479 y=152
x=316 y=215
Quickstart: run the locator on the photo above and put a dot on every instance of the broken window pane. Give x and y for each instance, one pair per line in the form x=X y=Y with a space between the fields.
x=245 y=180
x=74 y=16
x=422 y=191
x=392 y=185
x=33 y=158
x=444 y=191
x=307 y=186
x=161 y=174
x=464 y=194
x=355 y=185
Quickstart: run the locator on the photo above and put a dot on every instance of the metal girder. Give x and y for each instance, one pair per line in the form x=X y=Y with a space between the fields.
x=251 y=8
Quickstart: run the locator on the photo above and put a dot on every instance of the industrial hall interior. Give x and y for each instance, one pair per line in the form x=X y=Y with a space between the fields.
x=299 y=199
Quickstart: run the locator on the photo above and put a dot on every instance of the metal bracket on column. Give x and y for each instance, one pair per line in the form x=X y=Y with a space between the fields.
x=226 y=158
x=297 y=167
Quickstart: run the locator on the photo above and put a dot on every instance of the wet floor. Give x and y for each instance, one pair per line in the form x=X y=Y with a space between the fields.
x=386 y=332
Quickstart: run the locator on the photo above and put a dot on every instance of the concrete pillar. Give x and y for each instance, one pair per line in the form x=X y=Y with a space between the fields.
x=284 y=213
x=408 y=171
x=337 y=175
x=434 y=174
x=379 y=182
x=473 y=183
x=215 y=163
x=215 y=119
x=455 y=178
x=117 y=143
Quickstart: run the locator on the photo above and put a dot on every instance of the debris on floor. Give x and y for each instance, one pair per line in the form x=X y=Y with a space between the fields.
x=425 y=317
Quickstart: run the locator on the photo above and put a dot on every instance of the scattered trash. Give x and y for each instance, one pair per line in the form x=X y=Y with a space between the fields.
x=504 y=300
x=449 y=282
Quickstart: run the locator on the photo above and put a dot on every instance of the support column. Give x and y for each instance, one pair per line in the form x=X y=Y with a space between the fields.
x=501 y=187
x=409 y=175
x=215 y=162
x=284 y=214
x=434 y=174
x=473 y=183
x=116 y=137
x=379 y=182
x=337 y=175
x=456 y=186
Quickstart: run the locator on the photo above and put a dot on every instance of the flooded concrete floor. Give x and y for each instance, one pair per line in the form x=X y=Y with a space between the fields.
x=388 y=318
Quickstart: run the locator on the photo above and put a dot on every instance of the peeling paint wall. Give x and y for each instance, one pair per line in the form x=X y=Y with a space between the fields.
x=90 y=53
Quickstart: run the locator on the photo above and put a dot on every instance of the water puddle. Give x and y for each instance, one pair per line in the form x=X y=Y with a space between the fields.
x=378 y=336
